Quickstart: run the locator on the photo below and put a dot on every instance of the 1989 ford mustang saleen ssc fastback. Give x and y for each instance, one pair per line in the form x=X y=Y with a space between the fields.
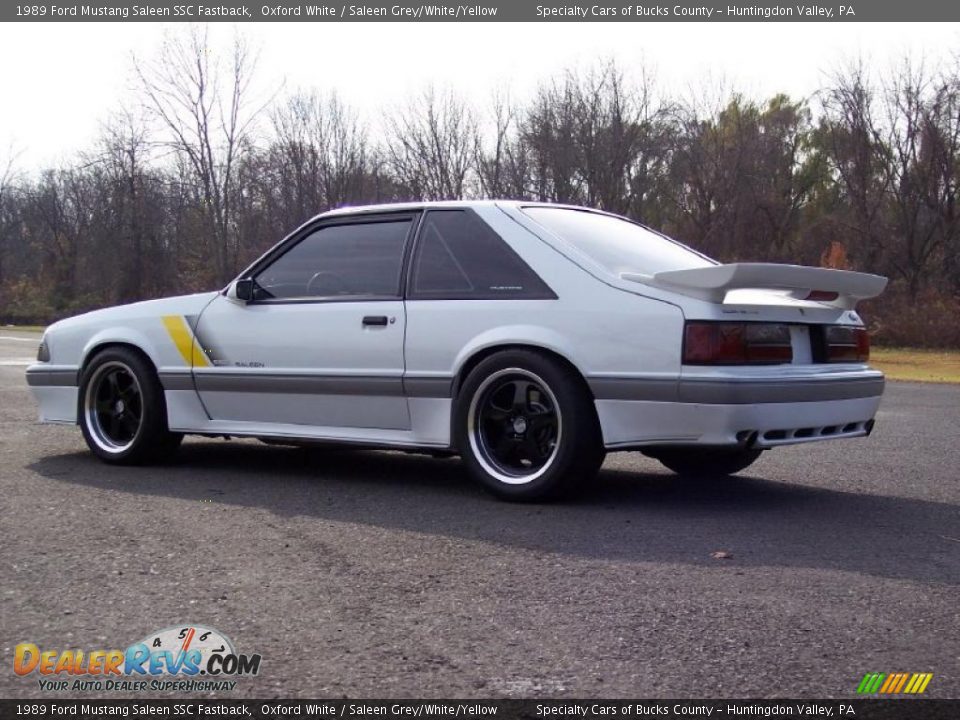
x=528 y=338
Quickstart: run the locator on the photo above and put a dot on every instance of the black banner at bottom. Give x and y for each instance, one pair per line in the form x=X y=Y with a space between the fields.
x=903 y=709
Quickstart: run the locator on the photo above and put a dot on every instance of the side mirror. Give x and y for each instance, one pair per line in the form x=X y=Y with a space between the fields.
x=243 y=289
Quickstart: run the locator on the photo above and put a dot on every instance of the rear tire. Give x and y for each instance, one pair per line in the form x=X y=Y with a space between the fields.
x=122 y=411
x=705 y=462
x=526 y=427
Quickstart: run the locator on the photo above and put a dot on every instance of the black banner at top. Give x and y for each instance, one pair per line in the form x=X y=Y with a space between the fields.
x=478 y=11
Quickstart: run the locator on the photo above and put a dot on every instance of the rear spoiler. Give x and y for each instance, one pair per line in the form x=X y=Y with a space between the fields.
x=839 y=288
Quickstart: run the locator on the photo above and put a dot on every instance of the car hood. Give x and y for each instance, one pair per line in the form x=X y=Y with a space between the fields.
x=120 y=314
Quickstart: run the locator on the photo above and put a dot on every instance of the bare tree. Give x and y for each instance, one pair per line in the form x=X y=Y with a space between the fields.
x=7 y=177
x=548 y=131
x=896 y=153
x=503 y=165
x=176 y=198
x=848 y=135
x=321 y=146
x=703 y=157
x=490 y=165
x=205 y=105
x=920 y=138
x=123 y=157
x=430 y=145
x=595 y=138
x=8 y=171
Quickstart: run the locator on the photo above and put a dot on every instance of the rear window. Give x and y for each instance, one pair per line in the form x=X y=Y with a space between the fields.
x=618 y=245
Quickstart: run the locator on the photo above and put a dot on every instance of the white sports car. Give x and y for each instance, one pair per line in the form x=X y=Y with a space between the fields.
x=528 y=338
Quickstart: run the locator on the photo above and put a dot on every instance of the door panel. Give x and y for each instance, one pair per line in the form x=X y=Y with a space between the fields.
x=310 y=363
x=320 y=341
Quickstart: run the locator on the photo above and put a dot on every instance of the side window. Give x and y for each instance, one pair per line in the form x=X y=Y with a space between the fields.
x=460 y=257
x=358 y=259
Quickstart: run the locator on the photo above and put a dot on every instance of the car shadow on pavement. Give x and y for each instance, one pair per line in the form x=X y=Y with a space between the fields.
x=627 y=515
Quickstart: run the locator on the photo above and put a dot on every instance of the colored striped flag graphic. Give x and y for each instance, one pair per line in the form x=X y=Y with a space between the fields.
x=893 y=683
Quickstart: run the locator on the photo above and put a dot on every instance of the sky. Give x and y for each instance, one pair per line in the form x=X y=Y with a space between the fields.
x=63 y=80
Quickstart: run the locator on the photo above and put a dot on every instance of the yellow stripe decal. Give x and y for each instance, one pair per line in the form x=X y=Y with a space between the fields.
x=180 y=333
x=926 y=681
x=914 y=681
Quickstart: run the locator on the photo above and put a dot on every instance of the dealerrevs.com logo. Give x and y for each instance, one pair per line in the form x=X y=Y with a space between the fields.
x=181 y=658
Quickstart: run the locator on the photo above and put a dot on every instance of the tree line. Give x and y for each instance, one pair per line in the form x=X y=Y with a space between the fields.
x=180 y=193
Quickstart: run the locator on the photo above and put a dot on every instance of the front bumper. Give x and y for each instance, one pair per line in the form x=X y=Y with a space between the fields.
x=55 y=390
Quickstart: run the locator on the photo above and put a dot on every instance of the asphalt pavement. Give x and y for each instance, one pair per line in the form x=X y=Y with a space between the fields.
x=364 y=573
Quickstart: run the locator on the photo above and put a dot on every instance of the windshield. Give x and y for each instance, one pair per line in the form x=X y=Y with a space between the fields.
x=617 y=244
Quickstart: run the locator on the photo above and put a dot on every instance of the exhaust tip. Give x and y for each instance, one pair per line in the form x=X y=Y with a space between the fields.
x=747 y=438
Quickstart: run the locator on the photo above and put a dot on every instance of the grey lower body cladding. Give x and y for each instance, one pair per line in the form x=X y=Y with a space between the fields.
x=728 y=391
x=52 y=377
x=307 y=384
x=736 y=391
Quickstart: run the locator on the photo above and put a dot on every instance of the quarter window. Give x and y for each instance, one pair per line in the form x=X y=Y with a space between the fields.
x=354 y=260
x=460 y=257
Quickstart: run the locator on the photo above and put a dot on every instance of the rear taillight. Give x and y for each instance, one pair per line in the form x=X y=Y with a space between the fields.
x=846 y=344
x=735 y=343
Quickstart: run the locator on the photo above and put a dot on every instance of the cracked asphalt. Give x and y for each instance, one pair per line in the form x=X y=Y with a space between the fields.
x=363 y=573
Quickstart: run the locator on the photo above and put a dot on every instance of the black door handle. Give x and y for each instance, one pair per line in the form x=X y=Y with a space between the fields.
x=376 y=320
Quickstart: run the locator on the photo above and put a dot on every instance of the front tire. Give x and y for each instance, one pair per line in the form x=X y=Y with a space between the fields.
x=122 y=410
x=526 y=427
x=706 y=462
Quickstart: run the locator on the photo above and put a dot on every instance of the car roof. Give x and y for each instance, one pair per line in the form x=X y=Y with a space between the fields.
x=426 y=204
